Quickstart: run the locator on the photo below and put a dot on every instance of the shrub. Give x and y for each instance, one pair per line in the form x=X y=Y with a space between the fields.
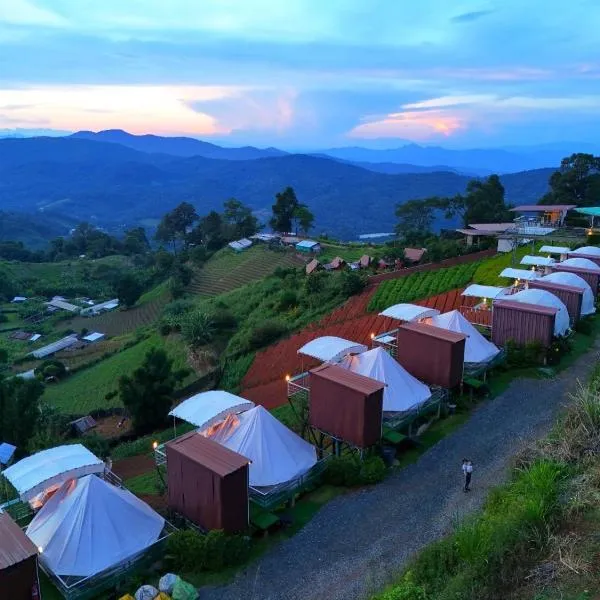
x=372 y=470
x=407 y=589
x=583 y=326
x=96 y=444
x=349 y=470
x=559 y=348
x=265 y=334
x=287 y=300
x=51 y=368
x=223 y=319
x=197 y=329
x=529 y=355
x=188 y=550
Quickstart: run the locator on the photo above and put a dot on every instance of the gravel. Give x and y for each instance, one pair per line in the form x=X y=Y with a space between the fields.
x=358 y=542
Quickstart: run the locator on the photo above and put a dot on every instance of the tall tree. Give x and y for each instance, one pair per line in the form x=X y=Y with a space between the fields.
x=577 y=181
x=416 y=219
x=175 y=224
x=304 y=218
x=128 y=289
x=209 y=231
x=239 y=219
x=148 y=392
x=284 y=208
x=135 y=241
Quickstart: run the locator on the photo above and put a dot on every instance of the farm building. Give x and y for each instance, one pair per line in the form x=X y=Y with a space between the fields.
x=95 y=336
x=208 y=483
x=432 y=354
x=101 y=307
x=337 y=263
x=309 y=246
x=345 y=405
x=414 y=255
x=58 y=303
x=240 y=245
x=18 y=562
x=276 y=454
x=313 y=266
x=265 y=237
x=522 y=323
x=51 y=349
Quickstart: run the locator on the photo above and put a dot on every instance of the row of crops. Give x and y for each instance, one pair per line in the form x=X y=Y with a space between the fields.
x=421 y=285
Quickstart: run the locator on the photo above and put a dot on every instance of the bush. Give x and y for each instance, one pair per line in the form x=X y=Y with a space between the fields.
x=197 y=329
x=188 y=550
x=96 y=444
x=372 y=470
x=287 y=300
x=584 y=326
x=529 y=355
x=51 y=368
x=407 y=589
x=223 y=319
x=266 y=334
x=559 y=348
x=350 y=471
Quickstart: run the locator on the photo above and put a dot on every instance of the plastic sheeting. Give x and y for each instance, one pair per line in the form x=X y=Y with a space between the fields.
x=402 y=391
x=276 y=452
x=207 y=408
x=581 y=263
x=329 y=348
x=588 y=305
x=90 y=525
x=477 y=348
x=587 y=250
x=544 y=298
x=409 y=312
x=32 y=475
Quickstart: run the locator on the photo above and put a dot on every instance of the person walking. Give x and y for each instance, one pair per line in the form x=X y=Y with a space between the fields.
x=467 y=467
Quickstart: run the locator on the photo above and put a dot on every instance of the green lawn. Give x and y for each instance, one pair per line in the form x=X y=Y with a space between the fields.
x=347 y=252
x=87 y=389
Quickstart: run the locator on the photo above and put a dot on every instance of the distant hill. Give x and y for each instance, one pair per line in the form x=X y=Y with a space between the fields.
x=483 y=160
x=115 y=186
x=34 y=230
x=176 y=146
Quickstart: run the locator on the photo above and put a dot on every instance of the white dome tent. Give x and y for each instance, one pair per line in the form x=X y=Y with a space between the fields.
x=477 y=348
x=276 y=453
x=587 y=251
x=402 y=391
x=90 y=525
x=588 y=306
x=408 y=312
x=207 y=408
x=544 y=298
x=580 y=263
x=329 y=348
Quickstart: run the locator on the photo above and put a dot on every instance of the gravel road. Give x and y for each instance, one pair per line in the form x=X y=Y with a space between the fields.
x=358 y=542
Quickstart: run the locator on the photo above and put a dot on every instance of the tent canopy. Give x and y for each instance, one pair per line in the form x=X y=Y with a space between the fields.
x=331 y=348
x=409 y=312
x=537 y=261
x=588 y=305
x=402 y=391
x=207 y=408
x=524 y=274
x=545 y=298
x=484 y=291
x=592 y=211
x=34 y=474
x=477 y=348
x=555 y=249
x=581 y=263
x=90 y=525
x=587 y=250
x=276 y=453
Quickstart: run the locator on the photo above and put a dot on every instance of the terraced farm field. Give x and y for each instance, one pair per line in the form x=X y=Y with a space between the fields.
x=264 y=382
x=228 y=270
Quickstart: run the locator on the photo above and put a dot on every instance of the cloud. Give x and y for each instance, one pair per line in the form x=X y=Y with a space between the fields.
x=26 y=12
x=471 y=16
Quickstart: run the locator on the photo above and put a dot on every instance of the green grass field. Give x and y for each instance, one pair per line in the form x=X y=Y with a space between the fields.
x=348 y=253
x=86 y=390
x=228 y=270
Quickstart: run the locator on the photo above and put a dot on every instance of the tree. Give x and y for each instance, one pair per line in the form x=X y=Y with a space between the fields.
x=416 y=219
x=128 y=289
x=284 y=209
x=135 y=241
x=175 y=224
x=210 y=231
x=239 y=219
x=148 y=392
x=19 y=410
x=576 y=182
x=304 y=218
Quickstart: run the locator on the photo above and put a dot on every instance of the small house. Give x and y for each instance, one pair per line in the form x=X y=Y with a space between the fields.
x=59 y=303
x=7 y=452
x=335 y=264
x=95 y=336
x=414 y=255
x=240 y=245
x=101 y=307
x=19 y=299
x=308 y=246
x=313 y=266
x=83 y=424
x=364 y=261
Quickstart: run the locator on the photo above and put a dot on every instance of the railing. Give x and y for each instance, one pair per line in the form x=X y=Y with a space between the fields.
x=404 y=419
x=387 y=341
x=474 y=369
x=477 y=316
x=160 y=455
x=298 y=384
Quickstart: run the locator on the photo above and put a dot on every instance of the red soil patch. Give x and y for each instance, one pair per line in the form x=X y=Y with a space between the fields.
x=158 y=503
x=108 y=427
x=133 y=466
x=265 y=381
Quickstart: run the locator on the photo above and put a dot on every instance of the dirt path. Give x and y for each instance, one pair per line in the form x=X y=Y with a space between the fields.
x=358 y=542
x=127 y=468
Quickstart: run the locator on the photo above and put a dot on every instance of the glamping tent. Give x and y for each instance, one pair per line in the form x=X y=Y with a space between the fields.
x=329 y=348
x=207 y=408
x=277 y=453
x=580 y=263
x=484 y=291
x=477 y=349
x=537 y=261
x=47 y=470
x=523 y=274
x=587 y=251
x=588 y=306
x=409 y=312
x=90 y=525
x=402 y=391
x=544 y=298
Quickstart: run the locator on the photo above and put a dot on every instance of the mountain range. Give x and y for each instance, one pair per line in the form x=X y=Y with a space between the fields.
x=114 y=185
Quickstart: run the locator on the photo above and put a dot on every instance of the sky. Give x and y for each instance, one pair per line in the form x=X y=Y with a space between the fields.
x=306 y=73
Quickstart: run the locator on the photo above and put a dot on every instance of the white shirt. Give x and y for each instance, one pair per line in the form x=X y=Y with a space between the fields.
x=467 y=468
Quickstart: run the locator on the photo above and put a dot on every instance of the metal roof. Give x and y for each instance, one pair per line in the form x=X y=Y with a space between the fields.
x=15 y=546
x=307 y=244
x=55 y=346
x=433 y=331
x=537 y=261
x=555 y=249
x=409 y=312
x=331 y=348
x=543 y=207
x=212 y=455
x=360 y=383
x=484 y=291
x=6 y=452
x=524 y=274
